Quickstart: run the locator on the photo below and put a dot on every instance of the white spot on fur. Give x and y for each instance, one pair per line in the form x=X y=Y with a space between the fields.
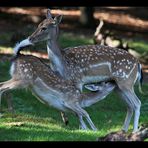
x=29 y=76
x=126 y=67
x=124 y=75
x=120 y=70
x=25 y=70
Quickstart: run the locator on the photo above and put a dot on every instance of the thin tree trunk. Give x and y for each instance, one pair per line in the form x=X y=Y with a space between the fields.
x=86 y=17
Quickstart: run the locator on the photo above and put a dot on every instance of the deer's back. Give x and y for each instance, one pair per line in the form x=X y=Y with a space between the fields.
x=29 y=68
x=89 y=58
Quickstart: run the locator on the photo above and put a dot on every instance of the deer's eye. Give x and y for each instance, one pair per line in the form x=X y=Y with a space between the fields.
x=43 y=28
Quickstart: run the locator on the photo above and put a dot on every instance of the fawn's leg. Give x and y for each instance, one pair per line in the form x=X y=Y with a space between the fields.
x=5 y=86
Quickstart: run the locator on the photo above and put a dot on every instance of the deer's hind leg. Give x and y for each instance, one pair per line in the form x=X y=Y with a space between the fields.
x=5 y=86
x=130 y=110
x=134 y=104
x=8 y=97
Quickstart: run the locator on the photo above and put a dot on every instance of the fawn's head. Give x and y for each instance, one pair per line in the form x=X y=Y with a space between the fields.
x=47 y=29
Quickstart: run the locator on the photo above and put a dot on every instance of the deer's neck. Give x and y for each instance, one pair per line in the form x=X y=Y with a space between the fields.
x=56 y=57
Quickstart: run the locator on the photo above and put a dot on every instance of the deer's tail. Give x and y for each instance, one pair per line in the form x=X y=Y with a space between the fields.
x=140 y=79
x=19 y=46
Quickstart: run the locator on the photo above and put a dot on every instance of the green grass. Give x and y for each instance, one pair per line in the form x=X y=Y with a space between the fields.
x=139 y=45
x=70 y=40
x=34 y=121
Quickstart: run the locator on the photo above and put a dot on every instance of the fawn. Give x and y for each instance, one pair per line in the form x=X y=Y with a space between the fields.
x=30 y=72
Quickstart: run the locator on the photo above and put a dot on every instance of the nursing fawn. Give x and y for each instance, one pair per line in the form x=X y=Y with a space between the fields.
x=30 y=72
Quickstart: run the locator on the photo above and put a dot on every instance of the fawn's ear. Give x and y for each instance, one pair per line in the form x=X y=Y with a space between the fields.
x=58 y=19
x=93 y=87
x=48 y=15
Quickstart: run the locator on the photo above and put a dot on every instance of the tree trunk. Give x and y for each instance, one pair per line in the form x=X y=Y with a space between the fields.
x=86 y=17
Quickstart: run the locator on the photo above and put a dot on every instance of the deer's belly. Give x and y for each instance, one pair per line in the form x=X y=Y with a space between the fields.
x=47 y=95
x=48 y=98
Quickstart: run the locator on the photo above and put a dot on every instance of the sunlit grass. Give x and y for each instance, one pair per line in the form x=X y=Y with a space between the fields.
x=140 y=46
x=4 y=49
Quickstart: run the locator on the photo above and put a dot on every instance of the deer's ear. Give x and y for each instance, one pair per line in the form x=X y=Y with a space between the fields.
x=48 y=15
x=58 y=19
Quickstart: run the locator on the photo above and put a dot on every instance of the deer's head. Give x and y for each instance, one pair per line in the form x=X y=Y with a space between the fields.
x=47 y=29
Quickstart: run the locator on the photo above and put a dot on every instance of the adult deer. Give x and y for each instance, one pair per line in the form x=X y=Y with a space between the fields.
x=51 y=89
x=90 y=64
